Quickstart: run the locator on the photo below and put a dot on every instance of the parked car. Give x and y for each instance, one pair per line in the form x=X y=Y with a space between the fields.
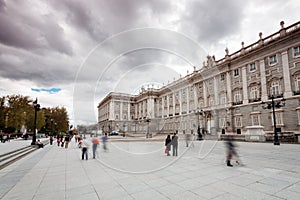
x=114 y=133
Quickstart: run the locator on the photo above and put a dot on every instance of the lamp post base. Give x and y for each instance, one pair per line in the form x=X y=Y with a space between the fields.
x=276 y=143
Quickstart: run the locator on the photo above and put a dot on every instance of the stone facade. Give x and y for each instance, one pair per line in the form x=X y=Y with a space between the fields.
x=223 y=96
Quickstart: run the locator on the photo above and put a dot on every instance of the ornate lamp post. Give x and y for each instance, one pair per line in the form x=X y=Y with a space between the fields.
x=36 y=108
x=272 y=105
x=198 y=112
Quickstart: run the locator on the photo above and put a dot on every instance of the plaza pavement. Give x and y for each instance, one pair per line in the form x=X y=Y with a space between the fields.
x=141 y=170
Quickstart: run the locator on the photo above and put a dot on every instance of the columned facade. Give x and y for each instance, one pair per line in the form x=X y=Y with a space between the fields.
x=223 y=96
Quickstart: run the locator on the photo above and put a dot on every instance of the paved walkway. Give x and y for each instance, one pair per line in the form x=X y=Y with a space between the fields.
x=140 y=170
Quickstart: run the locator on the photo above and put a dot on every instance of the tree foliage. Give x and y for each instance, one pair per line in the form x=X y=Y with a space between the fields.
x=17 y=111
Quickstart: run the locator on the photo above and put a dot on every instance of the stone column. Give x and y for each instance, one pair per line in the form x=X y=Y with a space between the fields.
x=136 y=110
x=228 y=88
x=128 y=111
x=174 y=108
x=216 y=91
x=286 y=75
x=168 y=105
x=245 y=85
x=264 y=93
x=187 y=99
x=121 y=111
x=195 y=97
x=204 y=94
x=150 y=107
x=180 y=103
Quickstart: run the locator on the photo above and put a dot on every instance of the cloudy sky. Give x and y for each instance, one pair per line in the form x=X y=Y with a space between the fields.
x=72 y=53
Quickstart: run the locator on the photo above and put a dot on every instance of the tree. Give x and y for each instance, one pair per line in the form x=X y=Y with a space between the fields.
x=17 y=110
x=2 y=113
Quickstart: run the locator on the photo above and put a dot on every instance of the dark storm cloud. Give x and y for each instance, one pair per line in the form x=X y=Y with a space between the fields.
x=22 y=28
x=100 y=19
x=212 y=20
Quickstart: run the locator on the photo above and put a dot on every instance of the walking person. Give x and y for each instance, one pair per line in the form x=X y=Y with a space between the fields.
x=168 y=145
x=58 y=140
x=175 y=144
x=51 y=140
x=95 y=142
x=67 y=141
x=231 y=151
x=62 y=140
x=85 y=146
x=104 y=141
x=187 y=139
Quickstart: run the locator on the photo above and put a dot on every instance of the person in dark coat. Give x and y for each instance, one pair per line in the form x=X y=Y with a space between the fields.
x=168 y=145
x=175 y=144
x=231 y=151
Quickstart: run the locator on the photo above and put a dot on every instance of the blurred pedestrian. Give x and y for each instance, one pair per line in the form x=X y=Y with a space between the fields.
x=58 y=140
x=104 y=141
x=67 y=141
x=168 y=145
x=95 y=142
x=51 y=139
x=175 y=144
x=85 y=146
x=187 y=139
x=231 y=151
x=62 y=141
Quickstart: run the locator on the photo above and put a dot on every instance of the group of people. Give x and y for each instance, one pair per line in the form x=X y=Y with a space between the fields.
x=171 y=142
x=231 y=152
x=85 y=144
x=62 y=141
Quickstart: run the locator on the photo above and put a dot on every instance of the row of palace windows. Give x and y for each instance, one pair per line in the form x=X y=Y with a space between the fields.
x=255 y=120
x=272 y=61
x=254 y=94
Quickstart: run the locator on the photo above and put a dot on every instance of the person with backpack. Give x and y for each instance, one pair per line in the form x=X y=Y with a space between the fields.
x=95 y=142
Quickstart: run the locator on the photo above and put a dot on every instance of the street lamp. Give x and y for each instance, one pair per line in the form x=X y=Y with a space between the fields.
x=272 y=105
x=198 y=113
x=36 y=108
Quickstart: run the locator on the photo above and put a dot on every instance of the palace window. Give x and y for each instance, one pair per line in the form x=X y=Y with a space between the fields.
x=236 y=72
x=255 y=120
x=252 y=67
x=272 y=59
x=238 y=121
x=237 y=97
x=275 y=88
x=279 y=118
x=222 y=98
x=254 y=92
x=222 y=122
x=296 y=51
x=298 y=112
x=297 y=83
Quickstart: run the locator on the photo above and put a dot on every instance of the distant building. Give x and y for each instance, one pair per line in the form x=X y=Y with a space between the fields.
x=223 y=96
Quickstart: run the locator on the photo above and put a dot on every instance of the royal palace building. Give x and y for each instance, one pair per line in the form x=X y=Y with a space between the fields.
x=232 y=95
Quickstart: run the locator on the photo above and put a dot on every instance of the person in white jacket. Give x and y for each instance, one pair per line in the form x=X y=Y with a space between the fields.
x=85 y=146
